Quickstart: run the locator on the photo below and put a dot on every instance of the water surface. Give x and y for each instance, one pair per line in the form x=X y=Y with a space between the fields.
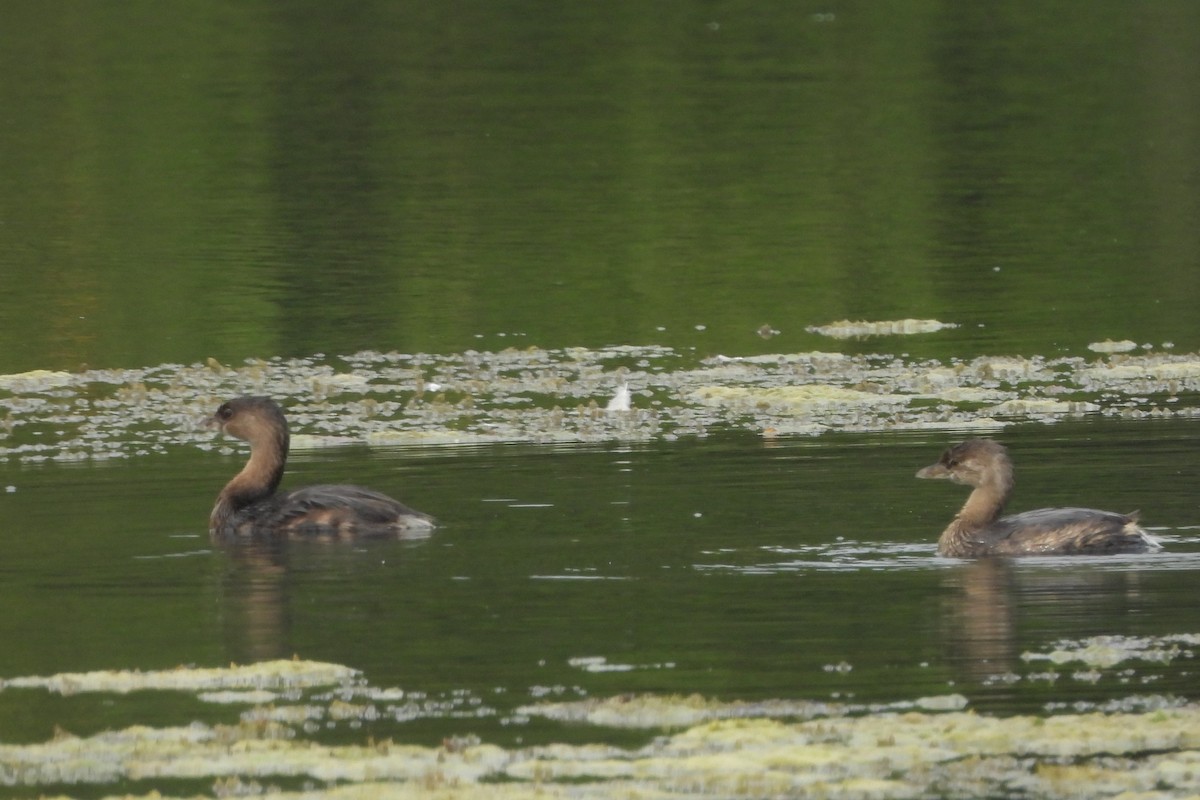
x=721 y=566
x=444 y=237
x=246 y=181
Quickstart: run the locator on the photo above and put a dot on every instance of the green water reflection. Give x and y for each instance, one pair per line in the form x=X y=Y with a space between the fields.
x=249 y=180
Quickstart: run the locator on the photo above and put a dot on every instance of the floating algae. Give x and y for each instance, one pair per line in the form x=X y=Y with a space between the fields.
x=38 y=380
x=791 y=399
x=1109 y=346
x=904 y=755
x=1046 y=407
x=281 y=675
x=1146 y=370
x=919 y=748
x=845 y=329
x=889 y=754
x=674 y=711
x=551 y=396
x=253 y=697
x=1108 y=651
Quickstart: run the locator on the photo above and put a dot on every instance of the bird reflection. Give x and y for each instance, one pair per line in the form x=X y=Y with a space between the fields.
x=256 y=613
x=981 y=612
x=979 y=617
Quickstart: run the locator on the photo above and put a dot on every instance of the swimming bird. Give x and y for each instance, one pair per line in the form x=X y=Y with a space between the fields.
x=979 y=530
x=251 y=505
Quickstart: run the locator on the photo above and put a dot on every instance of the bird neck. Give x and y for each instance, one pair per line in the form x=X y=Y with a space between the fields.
x=983 y=507
x=258 y=479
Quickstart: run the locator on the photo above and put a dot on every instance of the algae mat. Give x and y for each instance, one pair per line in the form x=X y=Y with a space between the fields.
x=695 y=746
x=621 y=393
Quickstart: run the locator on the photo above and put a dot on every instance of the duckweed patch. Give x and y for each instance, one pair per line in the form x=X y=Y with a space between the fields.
x=845 y=329
x=571 y=395
x=1109 y=651
x=252 y=680
x=924 y=748
x=674 y=711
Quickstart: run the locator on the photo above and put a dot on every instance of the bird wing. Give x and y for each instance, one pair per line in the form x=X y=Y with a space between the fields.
x=1063 y=530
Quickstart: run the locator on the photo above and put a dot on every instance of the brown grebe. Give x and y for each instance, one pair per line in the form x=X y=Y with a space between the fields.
x=250 y=506
x=979 y=530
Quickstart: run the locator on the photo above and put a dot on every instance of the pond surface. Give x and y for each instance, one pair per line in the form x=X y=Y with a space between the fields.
x=816 y=243
x=800 y=570
x=796 y=576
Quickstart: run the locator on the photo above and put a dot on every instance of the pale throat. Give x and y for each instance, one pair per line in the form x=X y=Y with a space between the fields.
x=987 y=501
x=262 y=472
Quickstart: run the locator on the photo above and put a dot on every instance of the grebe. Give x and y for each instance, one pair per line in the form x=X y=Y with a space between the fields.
x=978 y=530
x=250 y=506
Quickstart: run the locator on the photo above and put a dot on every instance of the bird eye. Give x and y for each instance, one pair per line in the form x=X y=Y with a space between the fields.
x=225 y=412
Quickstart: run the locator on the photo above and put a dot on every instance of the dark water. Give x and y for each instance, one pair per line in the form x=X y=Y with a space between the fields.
x=253 y=180
x=721 y=567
